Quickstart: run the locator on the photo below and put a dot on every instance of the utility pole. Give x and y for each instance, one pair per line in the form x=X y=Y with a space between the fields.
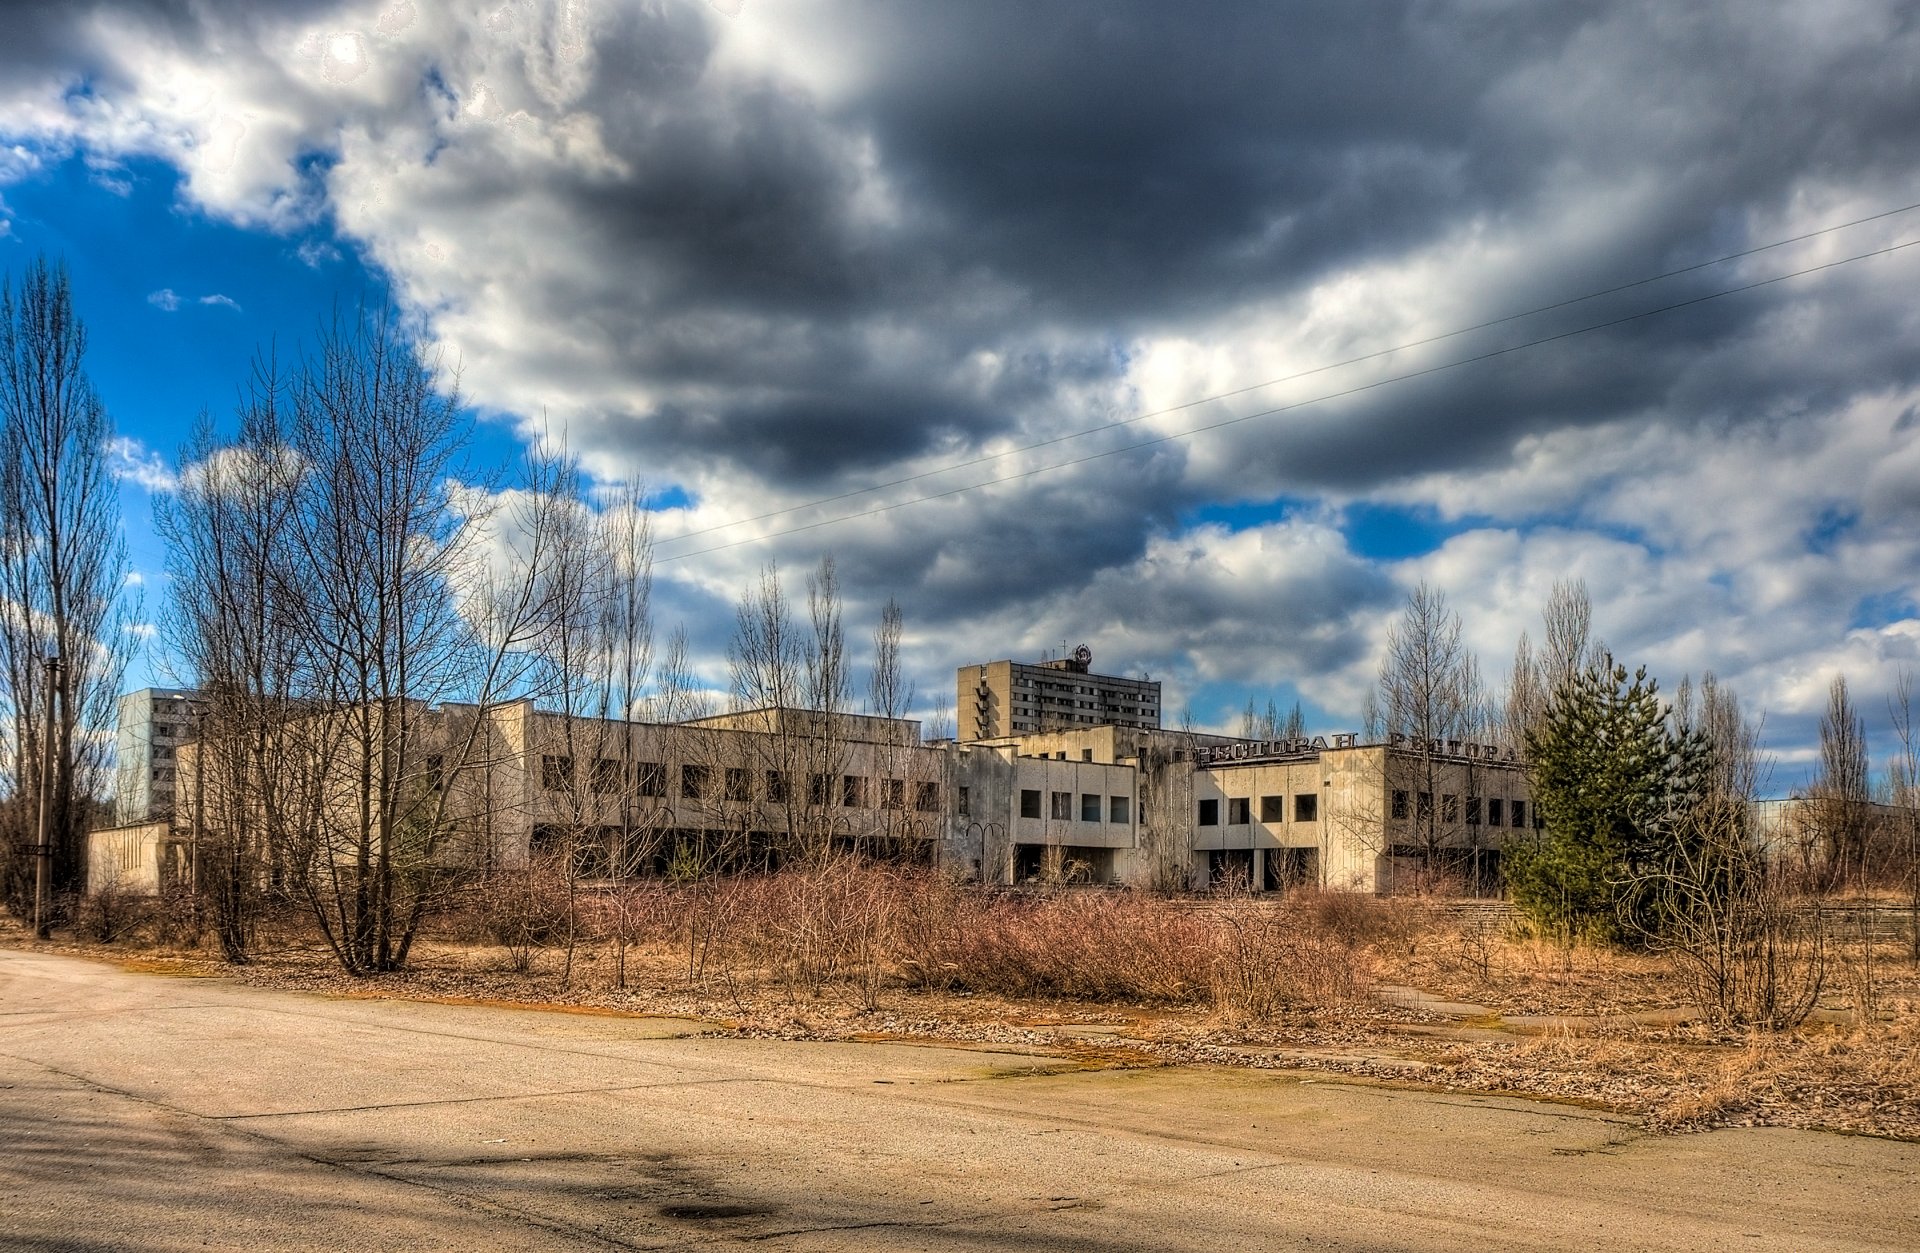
x=43 y=848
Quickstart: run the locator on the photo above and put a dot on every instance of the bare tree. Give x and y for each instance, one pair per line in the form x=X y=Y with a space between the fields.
x=1432 y=701
x=1904 y=786
x=63 y=571
x=1736 y=769
x=376 y=550
x=766 y=664
x=1538 y=674
x=232 y=622
x=908 y=780
x=827 y=683
x=1839 y=796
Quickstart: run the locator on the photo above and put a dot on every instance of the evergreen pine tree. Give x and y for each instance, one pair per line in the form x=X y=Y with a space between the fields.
x=1611 y=777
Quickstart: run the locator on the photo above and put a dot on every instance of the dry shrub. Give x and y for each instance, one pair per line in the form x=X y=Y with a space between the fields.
x=1357 y=919
x=846 y=924
x=1273 y=957
x=178 y=920
x=112 y=913
x=816 y=924
x=1113 y=946
x=524 y=910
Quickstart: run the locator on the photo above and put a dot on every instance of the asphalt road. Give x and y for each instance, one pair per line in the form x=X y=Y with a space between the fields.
x=146 y=1112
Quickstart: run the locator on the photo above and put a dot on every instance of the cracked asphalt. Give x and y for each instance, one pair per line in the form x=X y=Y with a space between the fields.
x=145 y=1112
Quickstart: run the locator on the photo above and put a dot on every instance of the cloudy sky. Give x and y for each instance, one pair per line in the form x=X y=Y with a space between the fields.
x=1025 y=260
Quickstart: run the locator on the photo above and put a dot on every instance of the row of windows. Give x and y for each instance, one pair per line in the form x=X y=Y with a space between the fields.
x=1499 y=812
x=736 y=783
x=1306 y=808
x=1118 y=809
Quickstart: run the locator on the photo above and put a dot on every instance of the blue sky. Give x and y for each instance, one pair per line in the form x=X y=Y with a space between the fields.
x=769 y=255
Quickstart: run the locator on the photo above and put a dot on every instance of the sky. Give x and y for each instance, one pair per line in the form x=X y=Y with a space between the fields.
x=1200 y=334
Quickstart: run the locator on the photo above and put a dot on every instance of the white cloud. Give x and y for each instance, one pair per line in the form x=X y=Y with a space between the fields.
x=218 y=299
x=132 y=461
x=164 y=299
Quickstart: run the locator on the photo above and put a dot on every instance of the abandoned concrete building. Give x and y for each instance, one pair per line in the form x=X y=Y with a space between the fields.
x=1089 y=798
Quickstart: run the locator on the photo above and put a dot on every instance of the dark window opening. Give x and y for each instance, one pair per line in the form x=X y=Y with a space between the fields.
x=1273 y=809
x=1029 y=802
x=693 y=782
x=1239 y=811
x=556 y=773
x=1399 y=804
x=605 y=779
x=1306 y=808
x=1209 y=813
x=650 y=779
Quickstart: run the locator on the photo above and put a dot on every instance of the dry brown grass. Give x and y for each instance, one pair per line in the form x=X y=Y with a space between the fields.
x=852 y=951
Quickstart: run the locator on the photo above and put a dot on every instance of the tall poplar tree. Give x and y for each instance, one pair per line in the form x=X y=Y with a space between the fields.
x=63 y=574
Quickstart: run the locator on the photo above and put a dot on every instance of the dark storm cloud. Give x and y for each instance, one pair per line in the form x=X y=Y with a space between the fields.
x=1088 y=171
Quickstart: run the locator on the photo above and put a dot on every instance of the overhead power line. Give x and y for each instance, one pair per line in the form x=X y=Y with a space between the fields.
x=1298 y=404
x=1274 y=382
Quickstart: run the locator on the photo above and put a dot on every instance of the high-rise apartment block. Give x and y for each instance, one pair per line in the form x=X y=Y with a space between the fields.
x=154 y=722
x=1002 y=698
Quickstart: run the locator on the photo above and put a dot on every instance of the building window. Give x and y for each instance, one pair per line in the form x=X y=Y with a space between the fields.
x=1210 y=813
x=1426 y=806
x=853 y=791
x=1060 y=806
x=436 y=772
x=1306 y=807
x=1495 y=818
x=893 y=793
x=776 y=787
x=1029 y=802
x=556 y=773
x=693 y=782
x=1086 y=754
x=605 y=779
x=650 y=778
x=1400 y=804
x=1519 y=813
x=1273 y=809
x=817 y=790
x=1473 y=811
x=1449 y=807
x=965 y=802
x=926 y=798
x=1089 y=807
x=1239 y=811
x=738 y=786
